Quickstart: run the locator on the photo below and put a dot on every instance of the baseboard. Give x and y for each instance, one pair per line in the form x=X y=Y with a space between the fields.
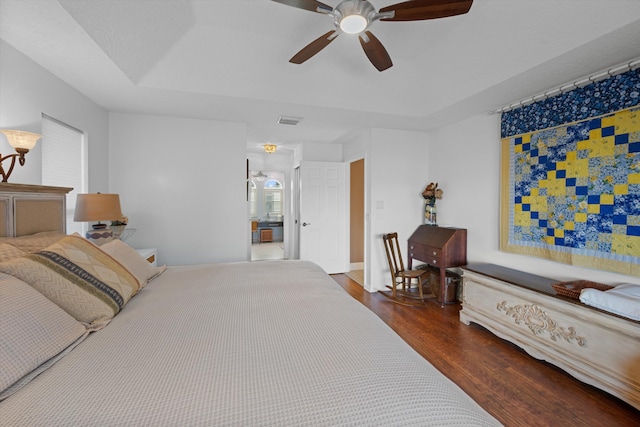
x=356 y=266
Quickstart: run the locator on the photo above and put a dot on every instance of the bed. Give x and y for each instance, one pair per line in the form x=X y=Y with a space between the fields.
x=248 y=343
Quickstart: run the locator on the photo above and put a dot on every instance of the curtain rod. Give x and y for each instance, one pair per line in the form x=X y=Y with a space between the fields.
x=570 y=86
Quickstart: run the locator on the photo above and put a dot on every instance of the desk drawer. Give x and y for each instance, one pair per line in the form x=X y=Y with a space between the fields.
x=432 y=256
x=416 y=251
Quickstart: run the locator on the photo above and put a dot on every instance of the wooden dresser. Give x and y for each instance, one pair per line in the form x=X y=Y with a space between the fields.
x=439 y=247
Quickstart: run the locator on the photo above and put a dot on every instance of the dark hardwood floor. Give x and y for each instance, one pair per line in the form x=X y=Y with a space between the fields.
x=514 y=387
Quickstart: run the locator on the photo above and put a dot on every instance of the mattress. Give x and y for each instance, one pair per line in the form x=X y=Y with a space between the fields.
x=270 y=343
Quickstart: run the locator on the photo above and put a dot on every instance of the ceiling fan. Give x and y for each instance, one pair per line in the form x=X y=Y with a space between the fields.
x=356 y=16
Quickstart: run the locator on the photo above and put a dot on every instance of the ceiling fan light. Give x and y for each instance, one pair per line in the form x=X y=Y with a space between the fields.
x=353 y=24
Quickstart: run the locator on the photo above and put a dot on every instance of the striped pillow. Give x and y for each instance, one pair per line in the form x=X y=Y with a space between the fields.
x=79 y=277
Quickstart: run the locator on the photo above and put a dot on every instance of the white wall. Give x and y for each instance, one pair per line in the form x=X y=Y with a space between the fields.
x=182 y=183
x=396 y=173
x=279 y=161
x=356 y=147
x=162 y=166
x=26 y=91
x=318 y=152
x=465 y=159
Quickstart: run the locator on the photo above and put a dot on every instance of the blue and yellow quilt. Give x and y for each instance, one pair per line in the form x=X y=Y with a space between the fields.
x=573 y=193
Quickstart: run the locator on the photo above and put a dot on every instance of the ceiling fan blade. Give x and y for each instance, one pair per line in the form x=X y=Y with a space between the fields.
x=311 y=5
x=314 y=47
x=417 y=10
x=376 y=53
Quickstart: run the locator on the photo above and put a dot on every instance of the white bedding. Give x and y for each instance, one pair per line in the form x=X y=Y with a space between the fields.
x=263 y=343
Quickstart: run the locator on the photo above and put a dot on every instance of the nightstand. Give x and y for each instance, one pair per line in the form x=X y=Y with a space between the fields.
x=150 y=254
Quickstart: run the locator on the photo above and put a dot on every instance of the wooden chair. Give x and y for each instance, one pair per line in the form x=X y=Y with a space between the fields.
x=401 y=277
x=254 y=232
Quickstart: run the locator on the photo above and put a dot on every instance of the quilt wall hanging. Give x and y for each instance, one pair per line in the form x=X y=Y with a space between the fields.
x=570 y=187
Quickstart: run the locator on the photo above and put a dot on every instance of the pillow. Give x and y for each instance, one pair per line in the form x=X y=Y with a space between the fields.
x=627 y=290
x=34 y=242
x=133 y=261
x=35 y=333
x=79 y=277
x=8 y=252
x=623 y=300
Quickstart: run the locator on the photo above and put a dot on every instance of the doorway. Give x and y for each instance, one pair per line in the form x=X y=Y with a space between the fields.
x=267 y=214
x=356 y=221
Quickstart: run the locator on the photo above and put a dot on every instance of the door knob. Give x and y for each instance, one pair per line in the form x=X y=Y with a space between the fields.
x=304 y=224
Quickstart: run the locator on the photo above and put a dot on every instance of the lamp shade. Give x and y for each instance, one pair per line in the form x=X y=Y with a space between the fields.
x=97 y=207
x=21 y=139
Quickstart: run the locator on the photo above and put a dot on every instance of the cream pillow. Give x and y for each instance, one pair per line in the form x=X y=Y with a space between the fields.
x=34 y=334
x=8 y=252
x=34 y=242
x=133 y=261
x=79 y=277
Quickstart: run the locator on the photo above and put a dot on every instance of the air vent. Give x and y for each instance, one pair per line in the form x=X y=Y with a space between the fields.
x=289 y=120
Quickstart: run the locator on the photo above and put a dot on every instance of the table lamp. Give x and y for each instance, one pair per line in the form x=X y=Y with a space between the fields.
x=98 y=207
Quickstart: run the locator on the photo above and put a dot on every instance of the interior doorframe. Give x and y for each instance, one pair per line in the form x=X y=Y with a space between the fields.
x=295 y=210
x=287 y=200
x=354 y=214
x=366 y=189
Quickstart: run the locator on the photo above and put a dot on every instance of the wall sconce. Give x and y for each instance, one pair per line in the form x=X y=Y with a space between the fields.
x=270 y=148
x=22 y=142
x=98 y=207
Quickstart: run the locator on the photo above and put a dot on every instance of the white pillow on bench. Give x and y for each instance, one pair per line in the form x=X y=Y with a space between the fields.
x=623 y=300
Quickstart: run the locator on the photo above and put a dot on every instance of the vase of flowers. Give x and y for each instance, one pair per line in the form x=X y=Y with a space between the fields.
x=430 y=195
x=118 y=226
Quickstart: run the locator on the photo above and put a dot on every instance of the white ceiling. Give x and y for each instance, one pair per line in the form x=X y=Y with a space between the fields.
x=228 y=60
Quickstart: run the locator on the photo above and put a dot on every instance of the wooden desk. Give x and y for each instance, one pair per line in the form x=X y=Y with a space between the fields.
x=439 y=247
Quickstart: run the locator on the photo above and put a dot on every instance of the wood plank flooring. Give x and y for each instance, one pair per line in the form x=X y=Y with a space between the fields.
x=511 y=385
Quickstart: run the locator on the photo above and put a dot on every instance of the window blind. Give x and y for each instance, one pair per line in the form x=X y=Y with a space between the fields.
x=64 y=163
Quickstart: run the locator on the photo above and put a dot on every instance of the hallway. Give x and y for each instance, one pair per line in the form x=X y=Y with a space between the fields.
x=264 y=251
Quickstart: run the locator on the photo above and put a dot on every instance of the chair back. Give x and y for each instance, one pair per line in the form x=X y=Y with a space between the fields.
x=394 y=256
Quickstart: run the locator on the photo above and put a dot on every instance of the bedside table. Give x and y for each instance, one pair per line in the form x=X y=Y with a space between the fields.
x=150 y=254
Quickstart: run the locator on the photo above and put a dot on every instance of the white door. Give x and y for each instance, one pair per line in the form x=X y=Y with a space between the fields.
x=323 y=216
